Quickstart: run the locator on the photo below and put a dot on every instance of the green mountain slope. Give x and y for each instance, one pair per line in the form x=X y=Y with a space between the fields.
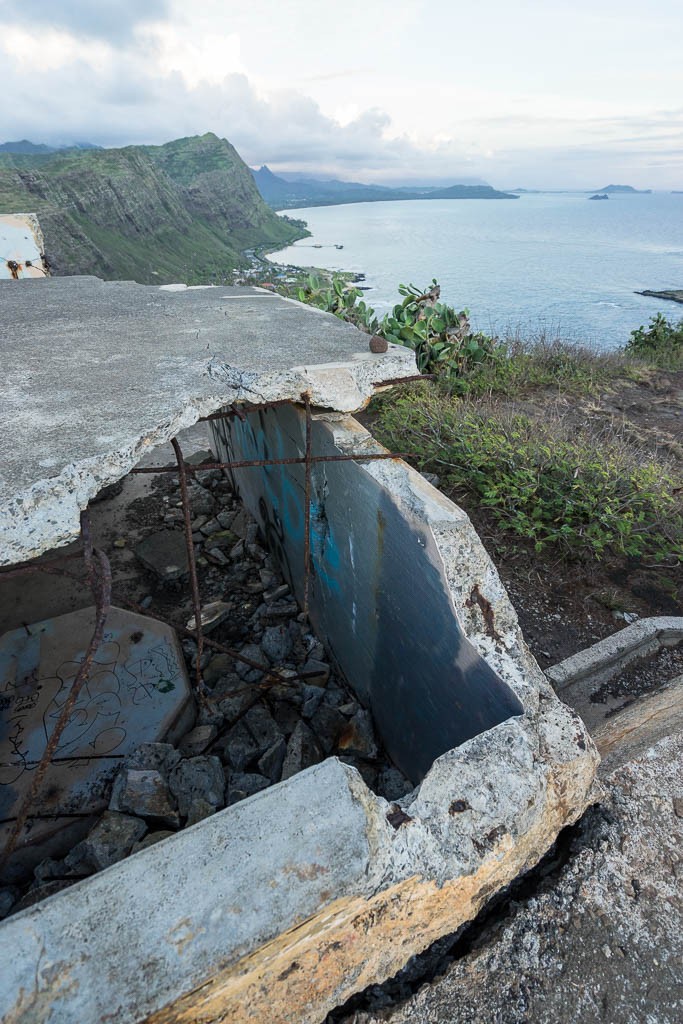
x=178 y=212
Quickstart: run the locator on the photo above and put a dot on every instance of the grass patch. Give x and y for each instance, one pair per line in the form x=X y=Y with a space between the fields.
x=524 y=365
x=587 y=492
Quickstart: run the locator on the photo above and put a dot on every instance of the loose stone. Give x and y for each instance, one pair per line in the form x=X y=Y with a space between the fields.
x=144 y=794
x=165 y=554
x=320 y=672
x=302 y=751
x=276 y=644
x=197 y=778
x=358 y=736
x=270 y=764
x=196 y=741
x=242 y=785
x=110 y=840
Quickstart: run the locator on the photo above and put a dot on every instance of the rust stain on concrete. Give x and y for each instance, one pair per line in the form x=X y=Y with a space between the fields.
x=354 y=942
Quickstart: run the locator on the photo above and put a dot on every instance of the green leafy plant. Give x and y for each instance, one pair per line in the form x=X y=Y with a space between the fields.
x=660 y=343
x=440 y=336
x=337 y=296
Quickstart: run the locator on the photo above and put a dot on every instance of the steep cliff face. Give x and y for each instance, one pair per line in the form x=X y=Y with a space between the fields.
x=178 y=212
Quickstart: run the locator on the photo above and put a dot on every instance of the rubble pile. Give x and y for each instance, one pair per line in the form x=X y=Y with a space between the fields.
x=253 y=729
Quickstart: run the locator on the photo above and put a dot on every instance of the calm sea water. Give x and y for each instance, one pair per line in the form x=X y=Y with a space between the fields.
x=554 y=262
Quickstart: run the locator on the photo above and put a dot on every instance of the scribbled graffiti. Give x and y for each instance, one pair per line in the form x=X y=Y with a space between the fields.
x=96 y=725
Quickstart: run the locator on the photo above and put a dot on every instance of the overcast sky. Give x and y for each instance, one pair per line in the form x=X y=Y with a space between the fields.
x=531 y=93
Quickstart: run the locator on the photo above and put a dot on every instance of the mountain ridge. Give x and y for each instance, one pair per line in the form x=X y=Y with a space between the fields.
x=183 y=211
x=283 y=194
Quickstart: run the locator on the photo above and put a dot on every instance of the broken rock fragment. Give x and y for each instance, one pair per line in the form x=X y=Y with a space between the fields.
x=110 y=840
x=242 y=785
x=358 y=736
x=165 y=554
x=196 y=741
x=270 y=764
x=302 y=751
x=198 y=778
x=145 y=794
x=212 y=615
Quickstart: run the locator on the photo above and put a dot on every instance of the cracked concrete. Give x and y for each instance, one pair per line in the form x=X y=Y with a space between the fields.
x=95 y=374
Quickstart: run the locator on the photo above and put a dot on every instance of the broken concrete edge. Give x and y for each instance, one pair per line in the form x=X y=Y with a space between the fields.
x=46 y=515
x=283 y=906
x=631 y=732
x=597 y=664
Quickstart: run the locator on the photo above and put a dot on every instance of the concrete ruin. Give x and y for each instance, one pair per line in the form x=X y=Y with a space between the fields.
x=282 y=906
x=22 y=249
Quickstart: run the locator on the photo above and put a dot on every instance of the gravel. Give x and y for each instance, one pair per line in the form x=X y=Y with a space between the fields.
x=252 y=730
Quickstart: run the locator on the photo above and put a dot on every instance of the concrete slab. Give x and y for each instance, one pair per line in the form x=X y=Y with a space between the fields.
x=137 y=692
x=95 y=374
x=283 y=905
x=21 y=247
x=632 y=731
x=578 y=678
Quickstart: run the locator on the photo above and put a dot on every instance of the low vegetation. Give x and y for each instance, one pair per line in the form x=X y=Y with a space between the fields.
x=584 y=489
x=661 y=343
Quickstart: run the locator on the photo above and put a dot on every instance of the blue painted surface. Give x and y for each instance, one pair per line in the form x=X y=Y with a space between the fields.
x=378 y=596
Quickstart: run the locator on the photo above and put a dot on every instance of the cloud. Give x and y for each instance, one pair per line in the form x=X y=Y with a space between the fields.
x=159 y=87
x=111 y=20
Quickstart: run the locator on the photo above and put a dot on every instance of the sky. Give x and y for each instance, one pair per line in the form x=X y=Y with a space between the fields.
x=534 y=94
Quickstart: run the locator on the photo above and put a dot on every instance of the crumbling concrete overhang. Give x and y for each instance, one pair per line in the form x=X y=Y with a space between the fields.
x=95 y=374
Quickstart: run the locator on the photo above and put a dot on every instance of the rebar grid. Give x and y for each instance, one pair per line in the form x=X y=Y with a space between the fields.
x=98 y=577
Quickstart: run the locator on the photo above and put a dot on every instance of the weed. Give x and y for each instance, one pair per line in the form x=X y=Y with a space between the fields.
x=542 y=362
x=584 y=492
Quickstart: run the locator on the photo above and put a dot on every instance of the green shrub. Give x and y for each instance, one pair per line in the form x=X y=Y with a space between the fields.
x=586 y=493
x=440 y=337
x=661 y=343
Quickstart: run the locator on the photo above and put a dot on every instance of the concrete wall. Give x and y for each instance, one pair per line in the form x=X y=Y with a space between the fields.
x=378 y=595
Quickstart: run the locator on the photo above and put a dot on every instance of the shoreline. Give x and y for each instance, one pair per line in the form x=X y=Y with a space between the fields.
x=668 y=294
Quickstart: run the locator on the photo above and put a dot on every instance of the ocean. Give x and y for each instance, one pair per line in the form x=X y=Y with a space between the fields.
x=550 y=262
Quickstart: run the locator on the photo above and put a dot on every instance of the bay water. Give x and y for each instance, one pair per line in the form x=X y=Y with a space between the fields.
x=556 y=262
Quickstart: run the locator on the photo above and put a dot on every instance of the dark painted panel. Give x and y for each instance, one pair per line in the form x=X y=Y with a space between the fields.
x=378 y=595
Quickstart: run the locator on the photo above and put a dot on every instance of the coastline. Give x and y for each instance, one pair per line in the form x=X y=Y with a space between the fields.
x=669 y=294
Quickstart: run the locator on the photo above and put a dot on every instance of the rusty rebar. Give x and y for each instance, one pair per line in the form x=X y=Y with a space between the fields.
x=297 y=460
x=307 y=502
x=194 y=581
x=403 y=380
x=99 y=578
